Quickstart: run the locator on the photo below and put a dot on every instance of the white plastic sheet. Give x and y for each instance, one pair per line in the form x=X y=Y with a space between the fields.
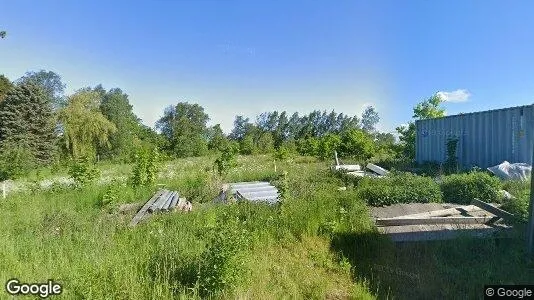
x=508 y=171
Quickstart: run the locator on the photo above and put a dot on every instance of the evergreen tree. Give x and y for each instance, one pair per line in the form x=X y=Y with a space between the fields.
x=27 y=120
x=5 y=86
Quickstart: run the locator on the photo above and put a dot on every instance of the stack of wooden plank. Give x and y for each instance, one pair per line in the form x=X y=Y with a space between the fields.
x=435 y=221
x=162 y=201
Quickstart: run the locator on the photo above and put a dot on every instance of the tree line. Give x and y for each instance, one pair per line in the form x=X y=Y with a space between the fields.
x=40 y=125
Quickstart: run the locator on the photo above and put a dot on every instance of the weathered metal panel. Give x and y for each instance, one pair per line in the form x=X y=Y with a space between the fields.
x=255 y=191
x=167 y=203
x=156 y=206
x=174 y=200
x=484 y=138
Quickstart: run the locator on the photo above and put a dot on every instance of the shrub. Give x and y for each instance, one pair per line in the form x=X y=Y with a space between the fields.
x=284 y=152
x=83 y=171
x=327 y=145
x=308 y=146
x=222 y=263
x=145 y=169
x=227 y=159
x=15 y=161
x=398 y=188
x=357 y=143
x=518 y=206
x=111 y=195
x=463 y=188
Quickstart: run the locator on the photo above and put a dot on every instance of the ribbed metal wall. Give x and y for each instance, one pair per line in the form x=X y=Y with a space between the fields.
x=484 y=138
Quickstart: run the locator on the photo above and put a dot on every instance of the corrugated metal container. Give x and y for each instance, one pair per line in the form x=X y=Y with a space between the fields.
x=485 y=138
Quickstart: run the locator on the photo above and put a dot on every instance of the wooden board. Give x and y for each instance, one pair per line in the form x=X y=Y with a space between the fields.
x=417 y=233
x=443 y=212
x=432 y=220
x=141 y=213
x=494 y=210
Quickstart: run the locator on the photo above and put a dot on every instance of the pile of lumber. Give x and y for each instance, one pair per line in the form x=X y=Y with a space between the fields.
x=415 y=222
x=162 y=201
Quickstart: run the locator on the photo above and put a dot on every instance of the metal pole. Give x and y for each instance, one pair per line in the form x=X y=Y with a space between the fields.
x=530 y=228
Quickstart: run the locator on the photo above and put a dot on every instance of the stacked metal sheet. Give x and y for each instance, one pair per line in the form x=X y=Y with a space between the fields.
x=163 y=200
x=254 y=191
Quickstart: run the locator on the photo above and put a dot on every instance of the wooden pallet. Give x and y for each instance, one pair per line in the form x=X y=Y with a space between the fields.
x=432 y=221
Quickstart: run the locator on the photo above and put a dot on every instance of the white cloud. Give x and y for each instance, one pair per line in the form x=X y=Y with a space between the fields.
x=460 y=95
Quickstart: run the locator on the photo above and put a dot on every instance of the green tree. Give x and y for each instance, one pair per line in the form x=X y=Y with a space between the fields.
x=242 y=126
x=427 y=109
x=265 y=143
x=26 y=119
x=217 y=140
x=51 y=84
x=309 y=146
x=357 y=143
x=227 y=159
x=247 y=146
x=327 y=145
x=5 y=86
x=407 y=139
x=369 y=119
x=184 y=125
x=116 y=107
x=85 y=127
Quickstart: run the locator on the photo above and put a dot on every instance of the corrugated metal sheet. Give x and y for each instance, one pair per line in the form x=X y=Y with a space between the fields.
x=484 y=138
x=252 y=191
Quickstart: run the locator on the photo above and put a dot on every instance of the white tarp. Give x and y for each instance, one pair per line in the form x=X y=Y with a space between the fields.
x=508 y=171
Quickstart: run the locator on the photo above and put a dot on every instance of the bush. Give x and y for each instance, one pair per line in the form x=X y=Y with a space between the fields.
x=83 y=171
x=111 y=195
x=15 y=162
x=308 y=146
x=227 y=159
x=145 y=169
x=518 y=205
x=284 y=152
x=327 y=145
x=463 y=188
x=398 y=188
x=357 y=143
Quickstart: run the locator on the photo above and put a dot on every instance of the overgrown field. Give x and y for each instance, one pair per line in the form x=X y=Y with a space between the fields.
x=319 y=243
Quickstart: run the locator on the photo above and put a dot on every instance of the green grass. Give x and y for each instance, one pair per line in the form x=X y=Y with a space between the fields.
x=318 y=244
x=240 y=250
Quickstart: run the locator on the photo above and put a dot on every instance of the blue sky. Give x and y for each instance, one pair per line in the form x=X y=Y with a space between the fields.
x=245 y=57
